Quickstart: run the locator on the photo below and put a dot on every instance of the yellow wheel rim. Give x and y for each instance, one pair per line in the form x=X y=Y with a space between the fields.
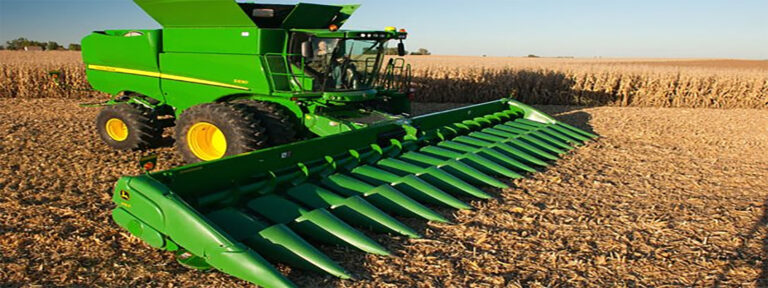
x=116 y=129
x=206 y=141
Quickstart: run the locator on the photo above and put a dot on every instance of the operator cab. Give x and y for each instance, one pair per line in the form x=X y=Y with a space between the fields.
x=339 y=61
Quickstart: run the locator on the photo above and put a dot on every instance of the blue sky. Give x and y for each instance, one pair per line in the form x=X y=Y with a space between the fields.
x=586 y=28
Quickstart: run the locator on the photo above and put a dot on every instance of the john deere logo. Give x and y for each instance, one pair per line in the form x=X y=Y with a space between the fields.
x=125 y=195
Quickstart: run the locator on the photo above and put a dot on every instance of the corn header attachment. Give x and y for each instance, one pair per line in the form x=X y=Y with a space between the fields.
x=239 y=214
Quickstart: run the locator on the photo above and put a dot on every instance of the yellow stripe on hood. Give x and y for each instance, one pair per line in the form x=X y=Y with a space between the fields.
x=164 y=76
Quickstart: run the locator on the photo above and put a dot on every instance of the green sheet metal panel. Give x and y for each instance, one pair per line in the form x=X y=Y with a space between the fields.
x=188 y=228
x=196 y=13
x=241 y=71
x=311 y=16
x=272 y=40
x=123 y=49
x=344 y=14
x=242 y=40
x=134 y=49
x=113 y=83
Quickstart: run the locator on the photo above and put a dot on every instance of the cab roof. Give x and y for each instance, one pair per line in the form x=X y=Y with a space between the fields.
x=228 y=13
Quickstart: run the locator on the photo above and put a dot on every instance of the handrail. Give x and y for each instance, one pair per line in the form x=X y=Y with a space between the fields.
x=397 y=75
x=297 y=80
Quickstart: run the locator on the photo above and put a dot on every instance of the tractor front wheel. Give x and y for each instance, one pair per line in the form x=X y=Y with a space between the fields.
x=129 y=126
x=214 y=130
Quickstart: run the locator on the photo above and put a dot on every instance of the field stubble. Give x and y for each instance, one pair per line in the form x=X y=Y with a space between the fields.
x=658 y=201
x=591 y=82
x=668 y=197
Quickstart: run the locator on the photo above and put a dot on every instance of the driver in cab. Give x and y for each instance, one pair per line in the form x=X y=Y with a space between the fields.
x=340 y=69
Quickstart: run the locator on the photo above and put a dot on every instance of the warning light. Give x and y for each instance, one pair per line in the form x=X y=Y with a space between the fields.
x=148 y=163
x=411 y=94
x=403 y=30
x=333 y=27
x=390 y=29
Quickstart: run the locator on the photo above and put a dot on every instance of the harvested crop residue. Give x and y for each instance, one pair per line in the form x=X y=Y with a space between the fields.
x=666 y=197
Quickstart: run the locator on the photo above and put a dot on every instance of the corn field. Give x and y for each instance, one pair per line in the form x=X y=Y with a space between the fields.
x=590 y=82
x=25 y=75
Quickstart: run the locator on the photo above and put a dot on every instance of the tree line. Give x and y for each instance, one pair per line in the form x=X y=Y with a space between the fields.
x=420 y=51
x=20 y=43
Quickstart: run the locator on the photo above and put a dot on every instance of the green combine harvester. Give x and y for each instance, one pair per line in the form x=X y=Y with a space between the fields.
x=237 y=77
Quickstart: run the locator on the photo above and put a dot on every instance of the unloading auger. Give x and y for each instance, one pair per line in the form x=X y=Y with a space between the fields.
x=240 y=213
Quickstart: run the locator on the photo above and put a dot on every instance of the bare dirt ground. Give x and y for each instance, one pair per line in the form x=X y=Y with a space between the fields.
x=667 y=197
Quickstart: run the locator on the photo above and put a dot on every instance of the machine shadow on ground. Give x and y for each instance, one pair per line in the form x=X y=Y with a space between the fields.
x=743 y=253
x=762 y=281
x=529 y=87
x=550 y=91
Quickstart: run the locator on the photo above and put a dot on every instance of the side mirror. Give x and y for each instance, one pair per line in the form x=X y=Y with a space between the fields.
x=400 y=49
x=306 y=49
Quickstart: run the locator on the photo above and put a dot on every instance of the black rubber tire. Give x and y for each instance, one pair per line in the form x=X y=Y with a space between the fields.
x=144 y=129
x=280 y=124
x=240 y=126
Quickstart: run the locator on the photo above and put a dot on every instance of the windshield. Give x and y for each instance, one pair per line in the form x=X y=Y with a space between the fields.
x=342 y=64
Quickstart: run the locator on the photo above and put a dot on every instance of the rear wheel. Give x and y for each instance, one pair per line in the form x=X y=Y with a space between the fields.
x=214 y=130
x=129 y=126
x=280 y=124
